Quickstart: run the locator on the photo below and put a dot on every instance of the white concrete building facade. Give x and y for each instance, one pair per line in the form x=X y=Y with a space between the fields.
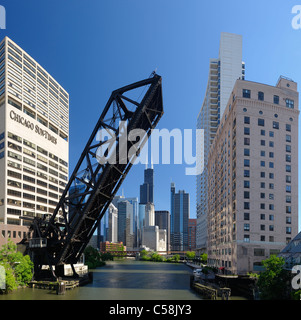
x=34 y=140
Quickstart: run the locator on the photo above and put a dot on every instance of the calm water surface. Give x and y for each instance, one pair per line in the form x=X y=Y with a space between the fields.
x=124 y=280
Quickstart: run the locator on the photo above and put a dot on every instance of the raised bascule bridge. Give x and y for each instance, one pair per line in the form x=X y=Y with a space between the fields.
x=60 y=239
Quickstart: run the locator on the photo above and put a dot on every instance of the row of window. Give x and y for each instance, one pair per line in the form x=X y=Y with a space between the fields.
x=12 y=49
x=246 y=93
x=34 y=147
x=263 y=238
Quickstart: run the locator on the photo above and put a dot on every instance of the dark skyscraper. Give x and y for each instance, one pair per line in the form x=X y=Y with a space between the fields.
x=179 y=219
x=147 y=188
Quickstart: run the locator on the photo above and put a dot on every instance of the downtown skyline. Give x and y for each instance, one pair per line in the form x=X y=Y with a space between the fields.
x=83 y=54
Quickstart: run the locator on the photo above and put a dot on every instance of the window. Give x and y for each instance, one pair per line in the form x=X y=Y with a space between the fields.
x=276 y=99
x=288 y=168
x=259 y=252
x=288 y=148
x=262 y=163
x=262 y=206
x=288 y=230
x=262 y=185
x=246 y=227
x=247 y=152
x=262 y=216
x=288 y=127
x=271 y=154
x=246 y=93
x=271 y=144
x=288 y=138
x=246 y=238
x=260 y=96
x=288 y=179
x=247 y=163
x=247 y=120
x=262 y=174
x=262 y=142
x=246 y=195
x=247 y=205
x=262 y=132
x=271 y=133
x=247 y=131
x=261 y=122
x=262 y=153
x=271 y=165
x=246 y=216
x=246 y=173
x=288 y=209
x=275 y=125
x=289 y=103
x=288 y=189
x=288 y=199
x=271 y=175
x=246 y=184
x=271 y=228
x=288 y=220
x=288 y=158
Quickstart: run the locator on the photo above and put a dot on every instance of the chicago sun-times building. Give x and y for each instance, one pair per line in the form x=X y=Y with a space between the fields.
x=34 y=134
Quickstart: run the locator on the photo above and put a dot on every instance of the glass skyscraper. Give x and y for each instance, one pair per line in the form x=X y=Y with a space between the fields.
x=223 y=72
x=147 y=188
x=179 y=219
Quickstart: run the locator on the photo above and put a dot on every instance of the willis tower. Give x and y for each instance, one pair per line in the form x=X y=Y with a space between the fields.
x=147 y=188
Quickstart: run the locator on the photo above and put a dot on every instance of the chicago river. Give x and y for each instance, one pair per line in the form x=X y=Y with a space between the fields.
x=124 y=280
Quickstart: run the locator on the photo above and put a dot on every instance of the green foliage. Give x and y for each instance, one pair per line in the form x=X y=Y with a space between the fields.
x=204 y=258
x=106 y=256
x=143 y=253
x=18 y=268
x=93 y=258
x=190 y=255
x=272 y=282
x=296 y=295
x=175 y=258
x=156 y=257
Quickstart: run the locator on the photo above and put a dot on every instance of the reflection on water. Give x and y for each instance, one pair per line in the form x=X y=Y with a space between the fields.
x=125 y=280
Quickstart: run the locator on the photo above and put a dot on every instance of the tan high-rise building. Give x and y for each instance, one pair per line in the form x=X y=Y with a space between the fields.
x=34 y=134
x=253 y=176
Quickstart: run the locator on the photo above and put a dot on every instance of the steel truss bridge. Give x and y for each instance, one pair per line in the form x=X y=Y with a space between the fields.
x=61 y=238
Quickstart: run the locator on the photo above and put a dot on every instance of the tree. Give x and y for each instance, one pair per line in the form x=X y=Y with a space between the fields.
x=106 y=256
x=190 y=255
x=92 y=258
x=18 y=268
x=272 y=282
x=204 y=258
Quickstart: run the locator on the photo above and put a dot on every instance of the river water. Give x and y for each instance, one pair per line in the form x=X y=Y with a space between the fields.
x=124 y=280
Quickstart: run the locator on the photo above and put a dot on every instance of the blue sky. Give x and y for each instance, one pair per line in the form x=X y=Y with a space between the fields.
x=94 y=47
